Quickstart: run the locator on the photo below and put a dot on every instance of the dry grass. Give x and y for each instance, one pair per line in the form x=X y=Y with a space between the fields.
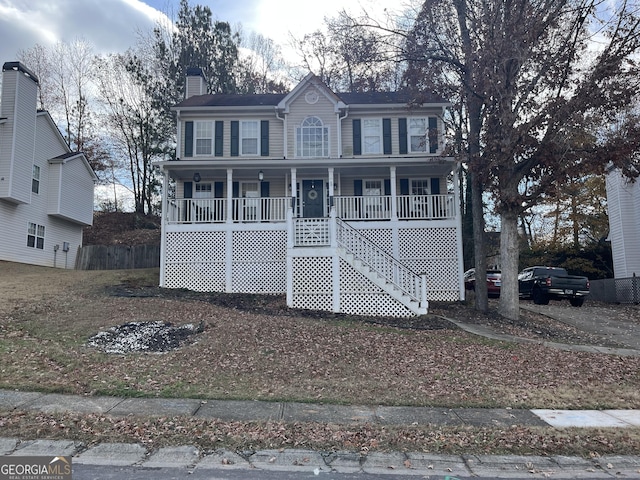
x=253 y=347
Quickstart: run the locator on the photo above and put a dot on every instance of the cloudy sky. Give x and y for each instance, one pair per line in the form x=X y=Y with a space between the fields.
x=112 y=25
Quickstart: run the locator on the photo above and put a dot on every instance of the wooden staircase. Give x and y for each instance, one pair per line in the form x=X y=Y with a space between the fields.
x=389 y=274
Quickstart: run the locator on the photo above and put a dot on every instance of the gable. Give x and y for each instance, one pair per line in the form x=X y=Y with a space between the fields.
x=311 y=91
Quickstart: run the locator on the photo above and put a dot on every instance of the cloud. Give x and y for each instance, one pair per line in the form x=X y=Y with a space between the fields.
x=110 y=26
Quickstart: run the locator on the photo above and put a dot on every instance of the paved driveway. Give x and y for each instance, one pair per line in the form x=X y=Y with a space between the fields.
x=620 y=323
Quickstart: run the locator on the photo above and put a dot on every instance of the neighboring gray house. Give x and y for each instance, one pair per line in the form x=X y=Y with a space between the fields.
x=623 y=204
x=46 y=191
x=345 y=202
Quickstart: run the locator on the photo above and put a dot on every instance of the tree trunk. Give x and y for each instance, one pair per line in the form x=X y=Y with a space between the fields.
x=482 y=297
x=509 y=259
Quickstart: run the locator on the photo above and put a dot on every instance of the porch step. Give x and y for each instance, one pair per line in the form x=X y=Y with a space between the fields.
x=379 y=280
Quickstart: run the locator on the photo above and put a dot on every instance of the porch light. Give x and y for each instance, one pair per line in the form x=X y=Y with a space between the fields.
x=196 y=177
x=261 y=175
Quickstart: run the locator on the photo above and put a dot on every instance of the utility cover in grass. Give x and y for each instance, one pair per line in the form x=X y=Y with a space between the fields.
x=154 y=337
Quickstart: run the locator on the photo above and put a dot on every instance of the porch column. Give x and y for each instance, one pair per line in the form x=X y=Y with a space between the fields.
x=335 y=259
x=163 y=224
x=394 y=200
x=331 y=192
x=229 y=195
x=294 y=193
x=395 y=240
x=228 y=236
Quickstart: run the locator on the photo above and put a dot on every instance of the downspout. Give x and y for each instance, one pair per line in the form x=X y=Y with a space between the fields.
x=340 y=118
x=284 y=128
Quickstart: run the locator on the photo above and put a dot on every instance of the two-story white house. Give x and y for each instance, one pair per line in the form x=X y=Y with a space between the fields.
x=345 y=202
x=46 y=190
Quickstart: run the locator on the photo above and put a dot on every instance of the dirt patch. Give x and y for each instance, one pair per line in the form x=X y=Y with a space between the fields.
x=155 y=337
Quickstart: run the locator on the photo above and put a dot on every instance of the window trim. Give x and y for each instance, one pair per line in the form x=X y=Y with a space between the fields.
x=325 y=142
x=427 y=185
x=379 y=136
x=424 y=144
x=242 y=137
x=197 y=137
x=35 y=235
x=35 y=180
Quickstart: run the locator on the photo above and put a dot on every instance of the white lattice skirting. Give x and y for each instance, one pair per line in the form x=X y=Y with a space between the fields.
x=255 y=261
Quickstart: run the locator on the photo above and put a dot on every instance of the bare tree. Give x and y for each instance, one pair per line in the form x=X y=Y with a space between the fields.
x=135 y=133
x=531 y=73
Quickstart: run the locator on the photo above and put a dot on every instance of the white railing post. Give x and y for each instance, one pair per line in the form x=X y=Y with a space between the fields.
x=423 y=291
x=332 y=227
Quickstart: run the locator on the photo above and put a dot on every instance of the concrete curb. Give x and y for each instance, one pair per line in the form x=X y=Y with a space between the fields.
x=189 y=459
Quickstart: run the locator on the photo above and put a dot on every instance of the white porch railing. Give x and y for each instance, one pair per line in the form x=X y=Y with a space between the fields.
x=274 y=209
x=192 y=210
x=392 y=270
x=431 y=207
x=214 y=210
x=363 y=207
x=408 y=207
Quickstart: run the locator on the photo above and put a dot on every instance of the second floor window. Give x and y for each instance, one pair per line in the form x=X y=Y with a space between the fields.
x=249 y=137
x=418 y=135
x=204 y=138
x=372 y=136
x=312 y=138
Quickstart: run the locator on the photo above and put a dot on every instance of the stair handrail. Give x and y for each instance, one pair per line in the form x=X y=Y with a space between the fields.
x=412 y=284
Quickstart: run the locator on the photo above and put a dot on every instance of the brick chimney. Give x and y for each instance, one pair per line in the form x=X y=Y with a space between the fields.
x=196 y=83
x=18 y=109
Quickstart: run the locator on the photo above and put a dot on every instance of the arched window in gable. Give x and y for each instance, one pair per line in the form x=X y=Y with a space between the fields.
x=312 y=138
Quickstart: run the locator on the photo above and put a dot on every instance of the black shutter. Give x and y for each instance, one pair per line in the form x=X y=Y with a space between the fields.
x=218 y=190
x=357 y=137
x=264 y=140
x=235 y=190
x=433 y=134
x=435 y=186
x=235 y=138
x=219 y=137
x=188 y=189
x=404 y=186
x=402 y=134
x=357 y=188
x=387 y=186
x=188 y=139
x=264 y=189
x=386 y=136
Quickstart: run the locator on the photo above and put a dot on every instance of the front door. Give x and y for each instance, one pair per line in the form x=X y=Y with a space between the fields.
x=312 y=198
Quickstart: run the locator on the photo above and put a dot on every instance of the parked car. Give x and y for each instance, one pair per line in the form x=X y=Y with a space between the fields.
x=494 y=279
x=542 y=284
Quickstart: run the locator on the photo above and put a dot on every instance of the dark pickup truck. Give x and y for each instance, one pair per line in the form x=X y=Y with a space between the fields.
x=542 y=284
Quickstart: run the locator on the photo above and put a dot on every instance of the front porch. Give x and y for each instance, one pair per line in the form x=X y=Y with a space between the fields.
x=375 y=240
x=348 y=208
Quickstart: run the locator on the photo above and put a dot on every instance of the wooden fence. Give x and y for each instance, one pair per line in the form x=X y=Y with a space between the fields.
x=117 y=257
